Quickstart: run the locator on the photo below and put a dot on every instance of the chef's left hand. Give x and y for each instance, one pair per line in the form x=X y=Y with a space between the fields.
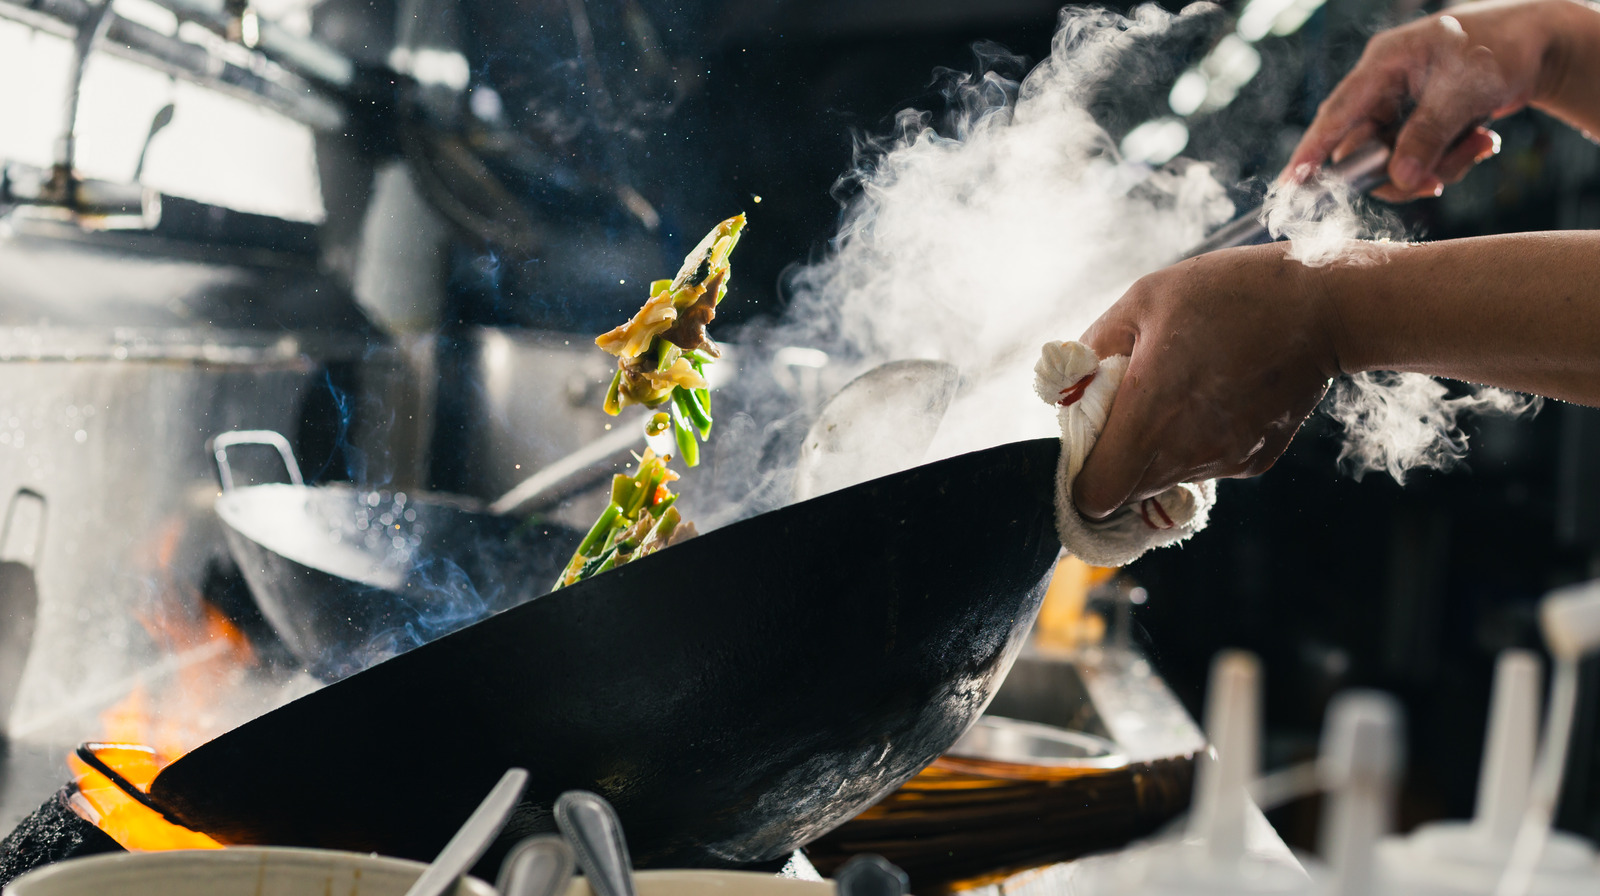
x=1230 y=352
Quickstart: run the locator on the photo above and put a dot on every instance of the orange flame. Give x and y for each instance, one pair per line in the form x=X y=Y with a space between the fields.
x=213 y=653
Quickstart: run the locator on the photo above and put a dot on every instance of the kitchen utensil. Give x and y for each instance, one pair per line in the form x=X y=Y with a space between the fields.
x=348 y=577
x=733 y=697
x=538 y=866
x=881 y=421
x=573 y=473
x=724 y=883
x=592 y=827
x=474 y=837
x=1364 y=170
x=246 y=871
x=869 y=875
x=999 y=740
x=119 y=355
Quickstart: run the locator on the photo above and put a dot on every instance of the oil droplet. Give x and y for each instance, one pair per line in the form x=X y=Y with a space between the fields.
x=608 y=427
x=80 y=437
x=756 y=199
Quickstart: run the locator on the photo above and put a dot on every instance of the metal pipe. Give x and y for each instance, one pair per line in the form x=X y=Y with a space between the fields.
x=270 y=84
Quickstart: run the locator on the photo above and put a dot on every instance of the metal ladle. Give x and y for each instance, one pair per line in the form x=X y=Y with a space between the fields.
x=473 y=838
x=538 y=866
x=592 y=828
x=879 y=423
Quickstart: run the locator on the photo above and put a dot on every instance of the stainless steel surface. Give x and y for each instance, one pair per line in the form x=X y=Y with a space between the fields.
x=252 y=77
x=880 y=422
x=1110 y=694
x=19 y=591
x=474 y=837
x=592 y=827
x=999 y=739
x=1364 y=170
x=531 y=398
x=538 y=866
x=572 y=474
x=117 y=363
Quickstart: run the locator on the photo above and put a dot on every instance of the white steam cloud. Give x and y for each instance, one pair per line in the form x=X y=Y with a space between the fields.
x=1018 y=222
x=1393 y=422
x=1398 y=422
x=1015 y=223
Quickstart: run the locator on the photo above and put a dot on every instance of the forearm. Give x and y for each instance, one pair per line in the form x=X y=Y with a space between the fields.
x=1568 y=86
x=1520 y=311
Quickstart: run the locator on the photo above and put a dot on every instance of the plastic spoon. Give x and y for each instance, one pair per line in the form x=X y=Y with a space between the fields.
x=473 y=838
x=592 y=828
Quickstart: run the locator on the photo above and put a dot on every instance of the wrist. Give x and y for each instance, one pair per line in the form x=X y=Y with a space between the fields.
x=1565 y=37
x=1346 y=302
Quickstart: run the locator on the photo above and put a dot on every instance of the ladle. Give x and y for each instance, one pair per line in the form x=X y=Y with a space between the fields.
x=592 y=827
x=879 y=423
x=871 y=875
x=538 y=866
x=473 y=838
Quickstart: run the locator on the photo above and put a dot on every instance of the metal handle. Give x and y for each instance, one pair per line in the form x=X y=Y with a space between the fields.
x=473 y=839
x=870 y=875
x=38 y=537
x=538 y=866
x=1364 y=170
x=223 y=441
x=591 y=826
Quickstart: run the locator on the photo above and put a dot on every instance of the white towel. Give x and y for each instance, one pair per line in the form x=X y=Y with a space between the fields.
x=1070 y=376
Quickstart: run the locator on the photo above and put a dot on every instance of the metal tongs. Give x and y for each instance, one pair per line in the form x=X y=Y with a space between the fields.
x=1363 y=171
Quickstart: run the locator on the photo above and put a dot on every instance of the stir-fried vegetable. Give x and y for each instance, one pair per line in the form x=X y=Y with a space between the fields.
x=639 y=520
x=662 y=355
x=663 y=351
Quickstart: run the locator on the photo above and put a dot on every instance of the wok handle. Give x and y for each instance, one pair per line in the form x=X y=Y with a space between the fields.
x=11 y=513
x=88 y=754
x=221 y=442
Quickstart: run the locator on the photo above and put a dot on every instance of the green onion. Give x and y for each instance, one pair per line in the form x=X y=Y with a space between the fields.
x=601 y=527
x=688 y=448
x=611 y=405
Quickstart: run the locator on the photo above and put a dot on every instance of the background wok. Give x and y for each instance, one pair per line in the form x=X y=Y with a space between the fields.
x=734 y=697
x=348 y=577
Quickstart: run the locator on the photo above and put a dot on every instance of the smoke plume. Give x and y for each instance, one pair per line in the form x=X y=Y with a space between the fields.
x=1014 y=220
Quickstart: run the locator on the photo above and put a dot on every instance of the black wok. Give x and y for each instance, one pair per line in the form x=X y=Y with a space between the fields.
x=734 y=697
x=349 y=577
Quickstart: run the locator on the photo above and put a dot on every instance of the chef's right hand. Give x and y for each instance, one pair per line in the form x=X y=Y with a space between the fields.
x=1445 y=75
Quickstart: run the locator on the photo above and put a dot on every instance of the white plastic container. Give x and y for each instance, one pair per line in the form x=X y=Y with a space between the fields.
x=239 y=871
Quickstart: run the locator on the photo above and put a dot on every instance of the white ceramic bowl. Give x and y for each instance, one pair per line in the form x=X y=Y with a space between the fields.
x=714 y=883
x=239 y=871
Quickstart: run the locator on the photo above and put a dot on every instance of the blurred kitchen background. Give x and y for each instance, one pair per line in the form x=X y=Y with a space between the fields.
x=438 y=202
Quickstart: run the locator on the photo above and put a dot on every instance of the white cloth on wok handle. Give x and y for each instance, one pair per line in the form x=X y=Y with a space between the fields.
x=1070 y=376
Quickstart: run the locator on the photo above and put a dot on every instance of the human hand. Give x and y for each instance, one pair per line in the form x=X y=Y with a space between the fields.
x=1230 y=352
x=1454 y=73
